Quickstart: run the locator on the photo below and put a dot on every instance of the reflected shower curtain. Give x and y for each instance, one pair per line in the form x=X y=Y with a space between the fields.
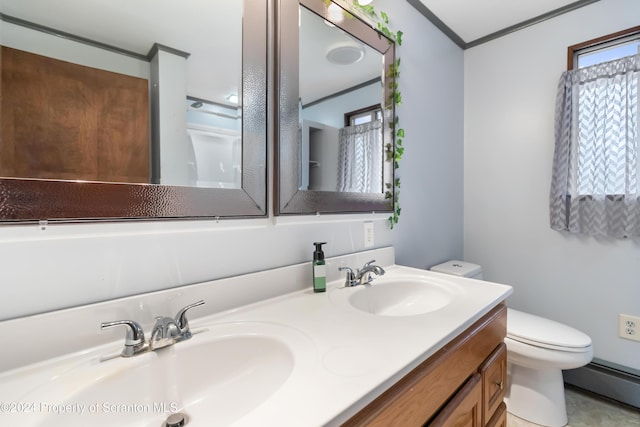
x=595 y=187
x=361 y=158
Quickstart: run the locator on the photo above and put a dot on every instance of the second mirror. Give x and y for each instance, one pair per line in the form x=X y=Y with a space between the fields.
x=335 y=111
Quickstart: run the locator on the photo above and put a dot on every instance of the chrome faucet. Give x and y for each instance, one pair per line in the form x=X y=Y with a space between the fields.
x=168 y=331
x=362 y=276
x=165 y=332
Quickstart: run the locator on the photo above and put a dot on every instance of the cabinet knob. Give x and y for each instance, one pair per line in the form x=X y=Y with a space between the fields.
x=499 y=384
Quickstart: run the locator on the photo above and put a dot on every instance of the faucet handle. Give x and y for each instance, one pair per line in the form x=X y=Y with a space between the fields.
x=134 y=339
x=350 y=277
x=367 y=264
x=183 y=322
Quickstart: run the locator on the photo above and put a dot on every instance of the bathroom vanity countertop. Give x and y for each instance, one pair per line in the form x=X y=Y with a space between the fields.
x=350 y=356
x=359 y=355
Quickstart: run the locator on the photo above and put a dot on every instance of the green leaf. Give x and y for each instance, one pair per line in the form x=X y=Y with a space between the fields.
x=399 y=37
x=366 y=8
x=400 y=133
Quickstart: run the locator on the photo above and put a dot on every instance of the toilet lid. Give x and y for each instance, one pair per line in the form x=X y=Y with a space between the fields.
x=542 y=332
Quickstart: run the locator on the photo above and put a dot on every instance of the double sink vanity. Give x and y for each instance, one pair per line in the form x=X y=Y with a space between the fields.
x=412 y=347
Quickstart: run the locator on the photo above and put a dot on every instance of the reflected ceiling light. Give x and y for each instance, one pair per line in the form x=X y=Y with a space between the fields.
x=233 y=98
x=364 y=2
x=345 y=53
x=335 y=12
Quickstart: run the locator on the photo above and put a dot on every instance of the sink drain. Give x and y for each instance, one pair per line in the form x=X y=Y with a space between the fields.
x=176 y=420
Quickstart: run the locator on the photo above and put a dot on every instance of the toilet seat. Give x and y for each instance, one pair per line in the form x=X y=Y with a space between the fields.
x=540 y=332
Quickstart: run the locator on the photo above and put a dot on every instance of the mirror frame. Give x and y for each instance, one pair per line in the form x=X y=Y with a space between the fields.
x=27 y=200
x=289 y=199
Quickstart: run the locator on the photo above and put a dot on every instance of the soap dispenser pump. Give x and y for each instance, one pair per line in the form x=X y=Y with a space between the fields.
x=319 y=271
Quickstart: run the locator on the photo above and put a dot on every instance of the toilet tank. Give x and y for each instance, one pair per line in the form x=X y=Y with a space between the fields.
x=459 y=268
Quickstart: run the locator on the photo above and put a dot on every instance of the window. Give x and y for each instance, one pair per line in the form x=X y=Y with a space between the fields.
x=361 y=154
x=364 y=115
x=596 y=177
x=603 y=49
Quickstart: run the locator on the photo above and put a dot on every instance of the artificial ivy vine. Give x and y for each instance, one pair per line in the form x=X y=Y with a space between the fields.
x=393 y=155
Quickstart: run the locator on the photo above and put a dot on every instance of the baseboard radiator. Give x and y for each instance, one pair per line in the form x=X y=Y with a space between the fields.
x=607 y=379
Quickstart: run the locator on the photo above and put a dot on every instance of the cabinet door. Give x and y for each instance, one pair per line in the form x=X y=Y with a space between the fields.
x=494 y=380
x=499 y=418
x=465 y=409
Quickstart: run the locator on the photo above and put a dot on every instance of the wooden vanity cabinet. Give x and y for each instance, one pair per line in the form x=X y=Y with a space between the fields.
x=463 y=384
x=494 y=380
x=465 y=408
x=499 y=419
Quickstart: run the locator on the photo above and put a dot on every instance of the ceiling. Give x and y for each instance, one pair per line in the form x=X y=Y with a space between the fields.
x=459 y=19
x=319 y=77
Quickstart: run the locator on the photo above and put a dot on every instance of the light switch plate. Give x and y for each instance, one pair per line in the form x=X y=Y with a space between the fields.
x=368 y=234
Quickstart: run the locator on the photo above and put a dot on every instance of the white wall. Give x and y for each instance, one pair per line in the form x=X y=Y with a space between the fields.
x=72 y=264
x=331 y=111
x=510 y=88
x=18 y=37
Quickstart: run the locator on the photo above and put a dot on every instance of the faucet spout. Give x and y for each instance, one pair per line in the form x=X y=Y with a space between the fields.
x=363 y=275
x=165 y=332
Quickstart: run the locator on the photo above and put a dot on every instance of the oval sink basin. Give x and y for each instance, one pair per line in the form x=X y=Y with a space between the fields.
x=401 y=296
x=215 y=378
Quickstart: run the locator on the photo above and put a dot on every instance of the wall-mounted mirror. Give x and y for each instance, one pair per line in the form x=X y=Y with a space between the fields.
x=147 y=109
x=335 y=111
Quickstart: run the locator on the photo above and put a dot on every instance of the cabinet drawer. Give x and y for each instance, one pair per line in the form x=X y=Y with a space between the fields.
x=494 y=380
x=499 y=418
x=465 y=409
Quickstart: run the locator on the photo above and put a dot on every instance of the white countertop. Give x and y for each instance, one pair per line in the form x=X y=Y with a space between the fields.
x=359 y=355
x=349 y=356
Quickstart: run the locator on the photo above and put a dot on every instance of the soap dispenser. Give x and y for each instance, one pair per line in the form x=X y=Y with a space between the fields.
x=319 y=273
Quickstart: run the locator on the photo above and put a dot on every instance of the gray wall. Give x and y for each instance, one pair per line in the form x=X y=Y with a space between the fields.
x=431 y=171
x=73 y=264
x=510 y=89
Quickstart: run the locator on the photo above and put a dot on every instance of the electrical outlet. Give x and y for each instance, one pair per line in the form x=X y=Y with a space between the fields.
x=368 y=234
x=629 y=327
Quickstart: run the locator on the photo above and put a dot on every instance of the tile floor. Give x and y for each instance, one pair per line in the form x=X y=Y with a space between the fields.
x=584 y=410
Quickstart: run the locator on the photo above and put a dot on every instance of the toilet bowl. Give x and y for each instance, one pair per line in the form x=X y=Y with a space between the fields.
x=538 y=349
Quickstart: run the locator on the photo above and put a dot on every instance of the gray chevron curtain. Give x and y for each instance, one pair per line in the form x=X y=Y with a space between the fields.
x=594 y=187
x=360 y=158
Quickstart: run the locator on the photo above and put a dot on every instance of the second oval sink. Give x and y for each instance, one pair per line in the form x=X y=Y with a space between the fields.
x=399 y=296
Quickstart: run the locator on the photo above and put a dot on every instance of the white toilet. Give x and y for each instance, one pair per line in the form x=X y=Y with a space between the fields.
x=538 y=349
